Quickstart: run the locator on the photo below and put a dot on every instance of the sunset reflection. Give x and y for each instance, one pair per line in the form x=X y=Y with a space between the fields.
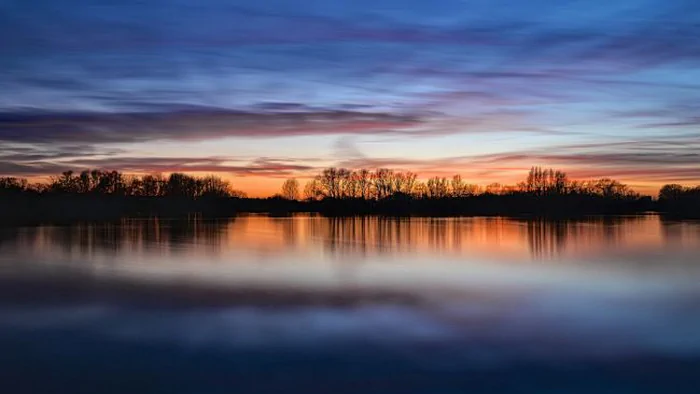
x=315 y=238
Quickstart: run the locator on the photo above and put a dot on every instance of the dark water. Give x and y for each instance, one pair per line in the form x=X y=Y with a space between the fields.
x=317 y=305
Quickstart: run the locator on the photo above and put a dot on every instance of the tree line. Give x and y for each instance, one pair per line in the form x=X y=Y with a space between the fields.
x=334 y=183
x=342 y=183
x=680 y=200
x=333 y=191
x=115 y=183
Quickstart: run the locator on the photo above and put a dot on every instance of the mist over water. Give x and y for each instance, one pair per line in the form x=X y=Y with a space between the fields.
x=312 y=305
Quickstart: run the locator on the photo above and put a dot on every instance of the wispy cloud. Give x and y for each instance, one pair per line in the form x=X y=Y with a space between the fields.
x=197 y=124
x=267 y=167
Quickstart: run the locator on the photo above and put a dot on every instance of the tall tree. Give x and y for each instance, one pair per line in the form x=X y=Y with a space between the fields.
x=438 y=187
x=290 y=189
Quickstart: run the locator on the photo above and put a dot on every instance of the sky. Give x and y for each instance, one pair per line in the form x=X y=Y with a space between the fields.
x=260 y=91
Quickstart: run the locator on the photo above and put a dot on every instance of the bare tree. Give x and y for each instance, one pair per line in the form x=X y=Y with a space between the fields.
x=561 y=182
x=133 y=185
x=611 y=188
x=383 y=182
x=13 y=185
x=420 y=190
x=461 y=188
x=313 y=190
x=363 y=183
x=238 y=193
x=290 y=189
x=86 y=182
x=346 y=183
x=65 y=183
x=213 y=186
x=438 y=187
x=154 y=185
x=183 y=185
x=329 y=183
x=494 y=188
x=671 y=192
x=404 y=182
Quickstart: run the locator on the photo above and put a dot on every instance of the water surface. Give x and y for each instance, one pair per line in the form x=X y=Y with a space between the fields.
x=347 y=305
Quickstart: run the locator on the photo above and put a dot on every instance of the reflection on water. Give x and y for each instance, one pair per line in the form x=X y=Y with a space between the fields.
x=385 y=305
x=360 y=237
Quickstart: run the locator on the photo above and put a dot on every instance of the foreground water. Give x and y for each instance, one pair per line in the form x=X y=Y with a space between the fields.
x=307 y=304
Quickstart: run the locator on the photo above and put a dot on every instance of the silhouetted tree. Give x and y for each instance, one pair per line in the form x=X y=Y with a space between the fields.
x=290 y=189
x=85 y=182
x=349 y=191
x=671 y=192
x=363 y=182
x=347 y=183
x=133 y=185
x=679 y=200
x=461 y=189
x=542 y=181
x=182 y=185
x=238 y=193
x=213 y=186
x=110 y=182
x=494 y=188
x=65 y=183
x=13 y=185
x=329 y=183
x=403 y=182
x=437 y=187
x=420 y=190
x=382 y=182
x=154 y=185
x=561 y=183
x=610 y=188
x=312 y=190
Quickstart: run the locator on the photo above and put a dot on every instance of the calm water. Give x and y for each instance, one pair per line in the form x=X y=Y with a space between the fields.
x=307 y=304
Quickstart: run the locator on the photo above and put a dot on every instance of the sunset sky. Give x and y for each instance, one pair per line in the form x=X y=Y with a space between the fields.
x=258 y=91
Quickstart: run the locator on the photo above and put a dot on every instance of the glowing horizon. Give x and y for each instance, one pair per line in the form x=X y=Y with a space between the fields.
x=262 y=187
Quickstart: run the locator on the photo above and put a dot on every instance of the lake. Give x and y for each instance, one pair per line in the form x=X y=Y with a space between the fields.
x=308 y=304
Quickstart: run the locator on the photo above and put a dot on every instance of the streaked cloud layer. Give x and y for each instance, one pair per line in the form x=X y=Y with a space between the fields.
x=278 y=88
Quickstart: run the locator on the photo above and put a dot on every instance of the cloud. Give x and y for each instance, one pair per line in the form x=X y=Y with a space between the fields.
x=687 y=121
x=194 y=124
x=647 y=38
x=259 y=167
x=266 y=167
x=12 y=168
x=34 y=153
x=270 y=120
x=52 y=159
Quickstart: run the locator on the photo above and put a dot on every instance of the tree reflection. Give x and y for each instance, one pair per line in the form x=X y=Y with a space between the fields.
x=135 y=236
x=546 y=239
x=352 y=239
